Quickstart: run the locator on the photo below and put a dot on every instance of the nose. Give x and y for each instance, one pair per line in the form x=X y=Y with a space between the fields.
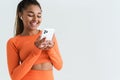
x=35 y=18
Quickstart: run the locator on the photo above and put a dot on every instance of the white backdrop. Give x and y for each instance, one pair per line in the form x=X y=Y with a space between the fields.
x=87 y=32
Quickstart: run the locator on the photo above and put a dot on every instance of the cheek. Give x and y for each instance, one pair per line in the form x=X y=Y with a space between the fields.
x=40 y=20
x=27 y=20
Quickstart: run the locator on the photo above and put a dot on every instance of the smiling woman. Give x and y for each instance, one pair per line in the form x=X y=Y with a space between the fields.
x=28 y=17
x=27 y=60
x=31 y=18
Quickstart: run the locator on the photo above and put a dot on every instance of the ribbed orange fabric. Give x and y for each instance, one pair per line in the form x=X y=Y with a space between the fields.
x=39 y=75
x=22 y=54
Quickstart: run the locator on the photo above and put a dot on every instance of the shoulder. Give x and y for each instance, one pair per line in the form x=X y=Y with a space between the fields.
x=12 y=40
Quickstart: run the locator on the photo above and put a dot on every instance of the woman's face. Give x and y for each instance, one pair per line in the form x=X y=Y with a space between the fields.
x=31 y=17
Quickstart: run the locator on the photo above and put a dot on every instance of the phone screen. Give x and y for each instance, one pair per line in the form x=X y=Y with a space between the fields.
x=48 y=33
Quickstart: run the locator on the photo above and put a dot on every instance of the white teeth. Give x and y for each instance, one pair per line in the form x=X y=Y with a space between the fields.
x=34 y=24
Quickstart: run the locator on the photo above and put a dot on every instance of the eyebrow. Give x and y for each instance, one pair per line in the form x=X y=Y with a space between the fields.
x=33 y=12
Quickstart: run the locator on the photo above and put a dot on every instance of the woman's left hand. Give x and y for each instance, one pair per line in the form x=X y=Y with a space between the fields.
x=47 y=44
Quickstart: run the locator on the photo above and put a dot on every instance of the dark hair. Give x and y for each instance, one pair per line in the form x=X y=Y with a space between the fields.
x=22 y=6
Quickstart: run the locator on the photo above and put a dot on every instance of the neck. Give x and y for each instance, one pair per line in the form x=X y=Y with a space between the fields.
x=29 y=32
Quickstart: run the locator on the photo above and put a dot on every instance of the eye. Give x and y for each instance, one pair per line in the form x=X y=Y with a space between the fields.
x=30 y=15
x=39 y=16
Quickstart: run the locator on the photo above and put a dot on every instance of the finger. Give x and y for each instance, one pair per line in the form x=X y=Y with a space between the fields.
x=43 y=39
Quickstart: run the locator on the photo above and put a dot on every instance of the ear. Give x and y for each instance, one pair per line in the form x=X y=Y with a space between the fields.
x=21 y=18
x=20 y=15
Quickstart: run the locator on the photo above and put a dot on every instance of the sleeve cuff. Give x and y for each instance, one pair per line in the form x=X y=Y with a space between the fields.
x=51 y=51
x=36 y=51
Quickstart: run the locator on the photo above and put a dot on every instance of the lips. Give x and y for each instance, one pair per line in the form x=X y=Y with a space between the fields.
x=33 y=23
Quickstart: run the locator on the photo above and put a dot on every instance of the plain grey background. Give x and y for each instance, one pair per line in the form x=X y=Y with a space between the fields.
x=88 y=33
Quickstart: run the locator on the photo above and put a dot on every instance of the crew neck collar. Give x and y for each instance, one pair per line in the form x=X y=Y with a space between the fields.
x=30 y=35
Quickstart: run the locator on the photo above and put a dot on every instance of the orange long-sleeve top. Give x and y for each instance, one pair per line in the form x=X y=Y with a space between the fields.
x=22 y=54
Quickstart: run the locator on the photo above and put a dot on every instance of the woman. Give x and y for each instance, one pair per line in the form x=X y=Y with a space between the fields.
x=28 y=57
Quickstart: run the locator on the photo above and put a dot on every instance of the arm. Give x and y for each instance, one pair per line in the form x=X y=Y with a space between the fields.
x=55 y=56
x=17 y=70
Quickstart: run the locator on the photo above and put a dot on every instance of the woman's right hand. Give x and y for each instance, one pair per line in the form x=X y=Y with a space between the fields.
x=43 y=43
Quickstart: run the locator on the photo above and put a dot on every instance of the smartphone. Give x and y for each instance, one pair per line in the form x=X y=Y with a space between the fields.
x=48 y=33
